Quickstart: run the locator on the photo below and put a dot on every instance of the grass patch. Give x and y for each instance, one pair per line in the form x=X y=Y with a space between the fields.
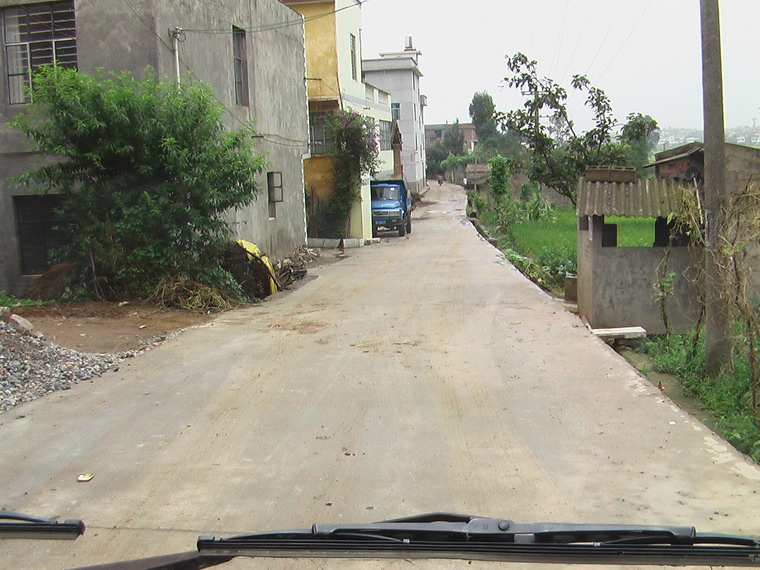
x=546 y=249
x=726 y=398
x=10 y=301
x=633 y=232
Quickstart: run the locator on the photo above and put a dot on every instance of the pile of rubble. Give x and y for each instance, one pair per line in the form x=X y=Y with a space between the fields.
x=31 y=367
x=293 y=267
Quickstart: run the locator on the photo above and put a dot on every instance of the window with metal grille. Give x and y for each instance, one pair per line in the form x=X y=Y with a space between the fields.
x=386 y=136
x=274 y=184
x=353 y=56
x=240 y=56
x=320 y=136
x=38 y=231
x=36 y=35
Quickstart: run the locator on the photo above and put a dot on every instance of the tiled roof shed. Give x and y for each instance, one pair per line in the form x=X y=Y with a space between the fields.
x=650 y=198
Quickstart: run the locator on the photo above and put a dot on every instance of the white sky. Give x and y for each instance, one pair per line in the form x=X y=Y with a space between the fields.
x=645 y=54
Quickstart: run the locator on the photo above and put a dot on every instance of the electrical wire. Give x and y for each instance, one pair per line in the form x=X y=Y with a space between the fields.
x=601 y=45
x=152 y=30
x=560 y=40
x=279 y=25
x=636 y=25
x=577 y=43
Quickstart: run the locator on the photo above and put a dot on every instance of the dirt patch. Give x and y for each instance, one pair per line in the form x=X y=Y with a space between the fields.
x=104 y=327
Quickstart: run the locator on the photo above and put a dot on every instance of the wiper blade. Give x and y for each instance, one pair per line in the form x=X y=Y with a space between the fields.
x=16 y=525
x=446 y=535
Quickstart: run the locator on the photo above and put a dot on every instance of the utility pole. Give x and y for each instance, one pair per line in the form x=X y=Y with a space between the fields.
x=716 y=307
x=176 y=34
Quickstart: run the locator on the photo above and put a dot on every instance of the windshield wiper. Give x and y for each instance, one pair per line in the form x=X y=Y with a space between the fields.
x=15 y=525
x=446 y=535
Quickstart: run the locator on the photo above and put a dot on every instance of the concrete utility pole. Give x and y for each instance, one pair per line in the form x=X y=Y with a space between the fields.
x=716 y=307
x=176 y=35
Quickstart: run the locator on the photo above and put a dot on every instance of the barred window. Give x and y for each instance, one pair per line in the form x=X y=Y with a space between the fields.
x=353 y=57
x=39 y=231
x=240 y=56
x=320 y=137
x=36 y=35
x=386 y=135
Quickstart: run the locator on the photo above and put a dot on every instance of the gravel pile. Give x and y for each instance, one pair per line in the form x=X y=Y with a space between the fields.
x=31 y=367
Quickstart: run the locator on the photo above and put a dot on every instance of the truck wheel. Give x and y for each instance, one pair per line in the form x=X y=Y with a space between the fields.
x=409 y=225
x=402 y=230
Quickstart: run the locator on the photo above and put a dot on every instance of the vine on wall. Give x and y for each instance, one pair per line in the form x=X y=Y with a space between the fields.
x=356 y=153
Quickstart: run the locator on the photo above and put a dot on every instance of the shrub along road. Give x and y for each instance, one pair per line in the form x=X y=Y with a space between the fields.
x=420 y=374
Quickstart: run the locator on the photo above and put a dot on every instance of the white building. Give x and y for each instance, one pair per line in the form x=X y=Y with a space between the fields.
x=399 y=74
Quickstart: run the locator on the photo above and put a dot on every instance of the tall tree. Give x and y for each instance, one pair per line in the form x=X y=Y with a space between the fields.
x=641 y=133
x=482 y=113
x=559 y=152
x=453 y=140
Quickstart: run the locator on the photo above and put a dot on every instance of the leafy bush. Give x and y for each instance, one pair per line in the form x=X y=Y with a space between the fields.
x=146 y=171
x=476 y=202
x=557 y=264
x=498 y=179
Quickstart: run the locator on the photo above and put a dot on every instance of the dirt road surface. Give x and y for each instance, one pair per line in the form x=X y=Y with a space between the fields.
x=419 y=374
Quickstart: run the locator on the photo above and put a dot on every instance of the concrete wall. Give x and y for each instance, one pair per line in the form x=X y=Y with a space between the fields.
x=399 y=75
x=616 y=285
x=348 y=22
x=112 y=36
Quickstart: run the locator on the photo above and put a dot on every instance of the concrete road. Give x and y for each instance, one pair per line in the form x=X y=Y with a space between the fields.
x=419 y=374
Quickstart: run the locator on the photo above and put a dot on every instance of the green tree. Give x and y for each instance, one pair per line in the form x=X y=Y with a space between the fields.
x=435 y=154
x=641 y=133
x=560 y=153
x=145 y=170
x=482 y=113
x=491 y=140
x=453 y=140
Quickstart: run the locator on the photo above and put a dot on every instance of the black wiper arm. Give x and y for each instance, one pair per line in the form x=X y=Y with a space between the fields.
x=446 y=535
x=15 y=525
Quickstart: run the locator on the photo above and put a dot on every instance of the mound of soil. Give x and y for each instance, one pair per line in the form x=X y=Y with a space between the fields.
x=106 y=327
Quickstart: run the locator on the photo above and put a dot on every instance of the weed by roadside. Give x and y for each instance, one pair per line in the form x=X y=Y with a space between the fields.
x=7 y=300
x=726 y=397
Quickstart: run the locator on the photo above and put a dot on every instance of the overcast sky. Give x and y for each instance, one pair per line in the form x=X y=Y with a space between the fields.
x=646 y=54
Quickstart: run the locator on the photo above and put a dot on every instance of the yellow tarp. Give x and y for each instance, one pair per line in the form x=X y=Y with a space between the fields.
x=253 y=251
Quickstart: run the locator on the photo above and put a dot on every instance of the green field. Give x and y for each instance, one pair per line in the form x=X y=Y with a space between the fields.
x=533 y=238
x=551 y=243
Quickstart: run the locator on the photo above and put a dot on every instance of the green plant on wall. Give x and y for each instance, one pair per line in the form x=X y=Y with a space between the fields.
x=356 y=154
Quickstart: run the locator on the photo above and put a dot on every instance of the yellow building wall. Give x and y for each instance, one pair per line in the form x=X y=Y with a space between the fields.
x=321 y=54
x=328 y=66
x=318 y=172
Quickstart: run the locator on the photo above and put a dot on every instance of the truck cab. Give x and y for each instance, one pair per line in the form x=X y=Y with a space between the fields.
x=391 y=206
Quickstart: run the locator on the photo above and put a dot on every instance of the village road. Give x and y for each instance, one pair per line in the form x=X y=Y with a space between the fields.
x=420 y=374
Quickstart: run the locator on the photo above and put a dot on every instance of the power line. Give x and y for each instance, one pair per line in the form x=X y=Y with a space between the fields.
x=152 y=30
x=278 y=25
x=577 y=43
x=636 y=25
x=601 y=45
x=560 y=40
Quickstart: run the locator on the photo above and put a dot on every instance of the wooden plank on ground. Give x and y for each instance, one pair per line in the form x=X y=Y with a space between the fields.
x=620 y=332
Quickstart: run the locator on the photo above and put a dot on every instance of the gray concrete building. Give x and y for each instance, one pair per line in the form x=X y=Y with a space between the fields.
x=399 y=74
x=250 y=51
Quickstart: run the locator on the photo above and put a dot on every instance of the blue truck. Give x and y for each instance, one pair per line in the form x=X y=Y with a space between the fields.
x=391 y=206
